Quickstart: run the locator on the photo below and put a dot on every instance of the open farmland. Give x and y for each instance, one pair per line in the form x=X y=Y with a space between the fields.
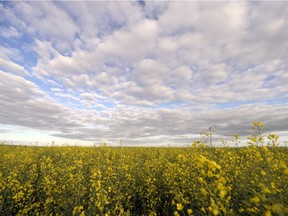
x=143 y=181
x=143 y=107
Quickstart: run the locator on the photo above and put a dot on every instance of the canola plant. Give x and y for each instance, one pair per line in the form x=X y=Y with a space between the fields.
x=195 y=180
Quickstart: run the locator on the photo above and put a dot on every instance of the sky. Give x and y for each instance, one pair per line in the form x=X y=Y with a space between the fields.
x=141 y=73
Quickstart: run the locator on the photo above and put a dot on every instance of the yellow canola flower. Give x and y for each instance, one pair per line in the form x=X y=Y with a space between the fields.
x=78 y=209
x=201 y=180
x=213 y=165
x=220 y=187
x=215 y=211
x=222 y=180
x=179 y=206
x=282 y=165
x=203 y=191
x=279 y=209
x=255 y=199
x=268 y=213
x=263 y=172
x=258 y=124
x=222 y=194
x=209 y=174
x=122 y=175
x=266 y=190
x=176 y=213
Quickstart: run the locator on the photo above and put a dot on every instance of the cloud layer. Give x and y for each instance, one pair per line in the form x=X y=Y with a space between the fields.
x=146 y=73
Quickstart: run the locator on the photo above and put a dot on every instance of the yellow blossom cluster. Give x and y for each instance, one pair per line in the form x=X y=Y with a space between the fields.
x=143 y=181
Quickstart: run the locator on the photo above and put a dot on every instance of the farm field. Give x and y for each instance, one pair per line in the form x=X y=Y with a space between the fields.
x=143 y=181
x=143 y=108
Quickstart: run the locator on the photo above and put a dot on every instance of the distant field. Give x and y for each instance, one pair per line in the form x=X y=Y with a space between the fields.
x=143 y=181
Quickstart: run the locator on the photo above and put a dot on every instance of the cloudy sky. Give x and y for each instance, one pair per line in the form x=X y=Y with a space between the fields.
x=145 y=73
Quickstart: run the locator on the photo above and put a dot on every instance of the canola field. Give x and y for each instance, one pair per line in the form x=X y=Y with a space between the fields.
x=143 y=181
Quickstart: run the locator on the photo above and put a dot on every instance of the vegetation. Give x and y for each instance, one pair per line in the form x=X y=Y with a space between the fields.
x=196 y=180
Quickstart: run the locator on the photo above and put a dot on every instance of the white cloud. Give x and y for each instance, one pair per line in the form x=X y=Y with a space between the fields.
x=183 y=73
x=132 y=44
x=49 y=21
x=159 y=71
x=173 y=21
x=10 y=53
x=24 y=104
x=98 y=19
x=9 y=32
x=12 y=67
x=132 y=124
x=150 y=72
